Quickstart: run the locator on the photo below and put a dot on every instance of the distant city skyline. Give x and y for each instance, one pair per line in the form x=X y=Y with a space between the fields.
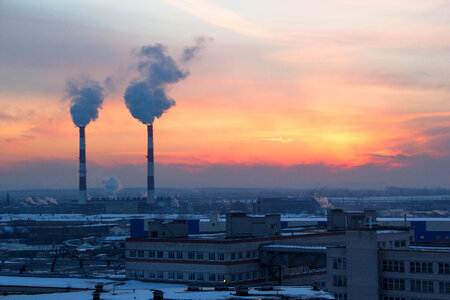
x=298 y=94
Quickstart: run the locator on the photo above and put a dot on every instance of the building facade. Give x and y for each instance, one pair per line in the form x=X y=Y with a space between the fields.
x=381 y=264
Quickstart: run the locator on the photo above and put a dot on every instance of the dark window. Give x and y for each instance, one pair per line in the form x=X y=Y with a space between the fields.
x=444 y=287
x=340 y=280
x=422 y=286
x=444 y=268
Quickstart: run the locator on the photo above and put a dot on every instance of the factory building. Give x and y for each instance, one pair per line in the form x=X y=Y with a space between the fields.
x=381 y=264
x=168 y=253
x=290 y=205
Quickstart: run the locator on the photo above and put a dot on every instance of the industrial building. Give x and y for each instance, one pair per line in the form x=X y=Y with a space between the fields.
x=166 y=252
x=291 y=205
x=355 y=258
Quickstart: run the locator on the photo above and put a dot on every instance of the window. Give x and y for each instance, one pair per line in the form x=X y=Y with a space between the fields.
x=397 y=244
x=239 y=276
x=132 y=253
x=233 y=277
x=220 y=277
x=339 y=263
x=200 y=255
x=160 y=275
x=423 y=286
x=212 y=256
x=140 y=274
x=403 y=243
x=340 y=296
x=180 y=275
x=393 y=284
x=151 y=254
x=151 y=274
x=179 y=255
x=420 y=267
x=254 y=254
x=393 y=266
x=444 y=268
x=221 y=256
x=239 y=255
x=160 y=254
x=140 y=253
x=444 y=287
x=339 y=280
x=255 y=275
x=191 y=255
x=248 y=254
x=248 y=275
x=212 y=277
x=171 y=275
x=192 y=276
x=171 y=254
x=199 y=276
x=233 y=255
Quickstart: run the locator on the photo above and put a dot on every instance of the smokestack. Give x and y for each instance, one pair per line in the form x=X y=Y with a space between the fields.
x=82 y=188
x=150 y=167
x=146 y=97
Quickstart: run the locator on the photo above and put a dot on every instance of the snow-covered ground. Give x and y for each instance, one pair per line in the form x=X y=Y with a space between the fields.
x=133 y=289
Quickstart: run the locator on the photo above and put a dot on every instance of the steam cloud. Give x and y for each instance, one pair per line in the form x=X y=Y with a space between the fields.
x=190 y=53
x=112 y=185
x=86 y=98
x=323 y=202
x=29 y=201
x=146 y=99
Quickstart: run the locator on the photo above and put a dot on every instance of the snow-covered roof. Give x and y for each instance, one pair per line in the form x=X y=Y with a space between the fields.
x=144 y=290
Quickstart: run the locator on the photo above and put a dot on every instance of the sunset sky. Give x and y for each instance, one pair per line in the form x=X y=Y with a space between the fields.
x=284 y=94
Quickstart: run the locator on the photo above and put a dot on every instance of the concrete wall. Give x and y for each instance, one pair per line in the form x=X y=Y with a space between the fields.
x=173 y=229
x=241 y=225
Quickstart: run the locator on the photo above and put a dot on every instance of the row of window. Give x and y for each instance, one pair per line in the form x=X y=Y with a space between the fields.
x=392 y=244
x=422 y=286
x=393 y=284
x=192 y=276
x=192 y=255
x=414 y=267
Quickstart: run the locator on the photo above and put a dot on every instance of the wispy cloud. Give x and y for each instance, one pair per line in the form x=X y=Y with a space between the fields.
x=219 y=16
x=279 y=139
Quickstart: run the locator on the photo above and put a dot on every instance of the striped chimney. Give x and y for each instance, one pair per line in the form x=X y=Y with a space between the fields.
x=150 y=167
x=82 y=187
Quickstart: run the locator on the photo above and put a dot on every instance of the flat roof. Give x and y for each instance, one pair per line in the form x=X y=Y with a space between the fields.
x=221 y=239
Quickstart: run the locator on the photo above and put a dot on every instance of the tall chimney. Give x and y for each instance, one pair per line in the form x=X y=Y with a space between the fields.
x=82 y=187
x=150 y=167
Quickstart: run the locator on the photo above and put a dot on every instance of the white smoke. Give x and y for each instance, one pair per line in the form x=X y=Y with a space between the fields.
x=323 y=202
x=29 y=201
x=112 y=185
x=146 y=98
x=190 y=53
x=86 y=98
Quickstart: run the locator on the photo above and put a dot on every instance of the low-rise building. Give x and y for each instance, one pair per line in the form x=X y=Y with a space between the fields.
x=381 y=264
x=233 y=257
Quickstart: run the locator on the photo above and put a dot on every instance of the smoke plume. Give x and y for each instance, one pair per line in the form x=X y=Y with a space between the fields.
x=323 y=202
x=112 y=185
x=190 y=53
x=86 y=98
x=29 y=201
x=147 y=97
